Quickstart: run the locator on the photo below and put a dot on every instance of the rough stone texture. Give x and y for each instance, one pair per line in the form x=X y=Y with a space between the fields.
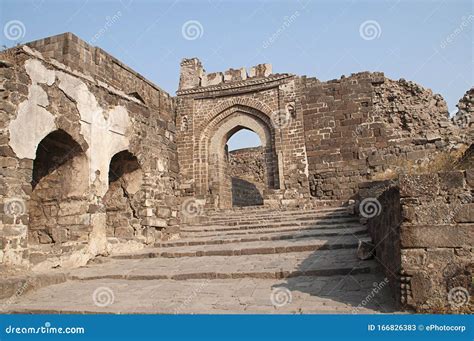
x=279 y=272
x=62 y=122
x=95 y=159
x=424 y=234
x=248 y=173
x=464 y=118
x=436 y=240
x=210 y=112
x=382 y=213
x=367 y=127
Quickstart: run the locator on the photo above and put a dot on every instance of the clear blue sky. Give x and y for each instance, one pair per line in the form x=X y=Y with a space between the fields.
x=429 y=42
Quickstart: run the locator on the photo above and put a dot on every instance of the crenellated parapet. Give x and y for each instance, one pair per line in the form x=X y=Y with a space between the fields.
x=194 y=76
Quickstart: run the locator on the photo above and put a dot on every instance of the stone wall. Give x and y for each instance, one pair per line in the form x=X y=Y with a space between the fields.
x=464 y=118
x=94 y=62
x=367 y=127
x=378 y=205
x=248 y=173
x=437 y=236
x=57 y=215
x=212 y=107
x=423 y=230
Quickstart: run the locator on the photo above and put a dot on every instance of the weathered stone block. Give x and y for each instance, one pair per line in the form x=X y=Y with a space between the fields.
x=451 y=180
x=155 y=222
x=465 y=213
x=418 y=185
x=436 y=235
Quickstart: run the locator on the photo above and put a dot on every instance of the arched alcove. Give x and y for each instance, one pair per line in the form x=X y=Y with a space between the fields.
x=58 y=201
x=122 y=200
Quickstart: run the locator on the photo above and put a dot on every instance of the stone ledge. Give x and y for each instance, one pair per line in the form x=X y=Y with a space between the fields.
x=18 y=285
x=234 y=85
x=443 y=236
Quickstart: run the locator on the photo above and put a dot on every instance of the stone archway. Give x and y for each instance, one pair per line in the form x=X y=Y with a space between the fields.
x=247 y=168
x=213 y=178
x=58 y=203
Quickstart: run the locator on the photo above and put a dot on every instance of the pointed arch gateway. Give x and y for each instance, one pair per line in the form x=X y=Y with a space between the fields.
x=212 y=172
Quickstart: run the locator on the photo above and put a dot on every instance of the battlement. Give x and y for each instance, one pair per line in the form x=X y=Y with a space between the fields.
x=193 y=75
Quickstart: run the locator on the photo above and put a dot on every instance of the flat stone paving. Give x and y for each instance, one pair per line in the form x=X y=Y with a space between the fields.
x=333 y=294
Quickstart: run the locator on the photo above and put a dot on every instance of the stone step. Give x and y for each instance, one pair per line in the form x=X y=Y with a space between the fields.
x=246 y=232
x=17 y=285
x=318 y=263
x=250 y=221
x=274 y=214
x=337 y=223
x=282 y=216
x=229 y=239
x=249 y=248
x=333 y=294
x=275 y=211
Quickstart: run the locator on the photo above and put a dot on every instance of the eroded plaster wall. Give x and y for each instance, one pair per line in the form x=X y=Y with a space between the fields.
x=42 y=96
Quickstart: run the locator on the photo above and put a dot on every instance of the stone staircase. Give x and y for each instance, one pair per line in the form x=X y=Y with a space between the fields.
x=252 y=260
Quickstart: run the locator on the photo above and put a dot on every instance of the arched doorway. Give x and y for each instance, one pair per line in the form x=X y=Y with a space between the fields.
x=58 y=203
x=246 y=165
x=215 y=180
x=122 y=200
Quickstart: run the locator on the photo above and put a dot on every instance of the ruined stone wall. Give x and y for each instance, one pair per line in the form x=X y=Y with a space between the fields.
x=422 y=227
x=436 y=241
x=378 y=206
x=92 y=61
x=464 y=118
x=248 y=172
x=69 y=216
x=367 y=127
x=248 y=164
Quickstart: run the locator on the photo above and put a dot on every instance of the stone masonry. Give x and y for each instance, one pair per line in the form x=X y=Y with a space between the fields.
x=96 y=161
x=249 y=176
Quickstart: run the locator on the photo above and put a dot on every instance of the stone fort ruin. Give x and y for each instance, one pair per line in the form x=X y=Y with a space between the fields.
x=97 y=160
